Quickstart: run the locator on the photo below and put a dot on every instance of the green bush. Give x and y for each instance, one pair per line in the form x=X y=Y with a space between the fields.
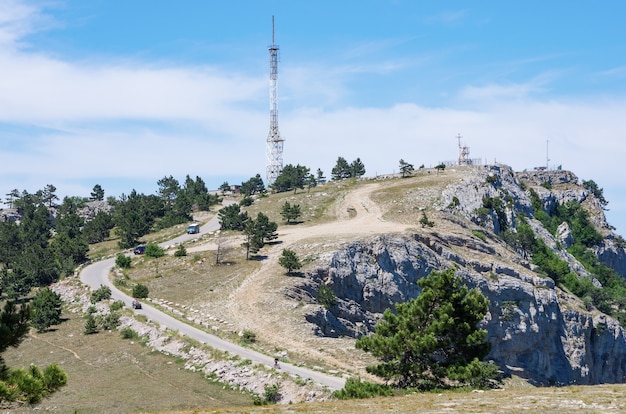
x=326 y=297
x=248 y=337
x=91 y=326
x=109 y=321
x=476 y=374
x=128 y=333
x=425 y=222
x=479 y=234
x=117 y=305
x=355 y=388
x=153 y=250
x=271 y=395
x=140 y=291
x=30 y=385
x=102 y=293
x=122 y=261
x=181 y=251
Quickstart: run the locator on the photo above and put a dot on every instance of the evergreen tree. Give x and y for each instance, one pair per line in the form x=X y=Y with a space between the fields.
x=289 y=260
x=91 y=325
x=257 y=233
x=133 y=216
x=341 y=170
x=320 y=176
x=12 y=196
x=291 y=178
x=290 y=212
x=99 y=228
x=46 y=309
x=310 y=182
x=253 y=186
x=405 y=168
x=97 y=194
x=265 y=228
x=176 y=202
x=254 y=241
x=16 y=283
x=47 y=195
x=231 y=217
x=13 y=328
x=69 y=244
x=198 y=194
x=224 y=187
x=357 y=169
x=598 y=192
x=432 y=338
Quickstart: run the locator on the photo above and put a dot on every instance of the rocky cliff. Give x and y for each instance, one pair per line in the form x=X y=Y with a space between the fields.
x=538 y=331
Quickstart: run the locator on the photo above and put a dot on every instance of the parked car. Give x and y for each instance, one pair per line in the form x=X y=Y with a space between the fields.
x=136 y=304
x=139 y=249
x=193 y=229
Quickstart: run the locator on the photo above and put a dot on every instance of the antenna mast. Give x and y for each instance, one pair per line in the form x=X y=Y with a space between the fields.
x=274 y=148
x=464 y=152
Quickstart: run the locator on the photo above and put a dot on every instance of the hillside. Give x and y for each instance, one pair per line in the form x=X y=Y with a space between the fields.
x=366 y=240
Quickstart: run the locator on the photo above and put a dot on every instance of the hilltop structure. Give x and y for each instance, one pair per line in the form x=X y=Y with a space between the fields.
x=274 y=150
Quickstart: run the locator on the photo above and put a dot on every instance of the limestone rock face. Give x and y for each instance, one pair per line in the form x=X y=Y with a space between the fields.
x=537 y=330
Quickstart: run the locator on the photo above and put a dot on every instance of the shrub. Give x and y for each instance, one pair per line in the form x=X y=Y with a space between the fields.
x=479 y=234
x=153 y=250
x=246 y=201
x=492 y=179
x=181 y=251
x=476 y=374
x=30 y=385
x=117 y=305
x=425 y=222
x=122 y=261
x=109 y=321
x=102 y=293
x=140 y=291
x=326 y=297
x=248 y=337
x=91 y=327
x=271 y=395
x=54 y=377
x=128 y=333
x=355 y=388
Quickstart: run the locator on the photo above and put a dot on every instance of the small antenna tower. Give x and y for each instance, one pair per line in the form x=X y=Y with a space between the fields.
x=464 y=151
x=547 y=155
x=274 y=148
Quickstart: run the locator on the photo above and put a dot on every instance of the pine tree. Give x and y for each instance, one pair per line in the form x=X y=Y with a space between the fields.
x=289 y=260
x=46 y=309
x=432 y=338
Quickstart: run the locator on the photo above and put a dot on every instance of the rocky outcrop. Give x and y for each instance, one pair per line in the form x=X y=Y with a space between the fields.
x=537 y=330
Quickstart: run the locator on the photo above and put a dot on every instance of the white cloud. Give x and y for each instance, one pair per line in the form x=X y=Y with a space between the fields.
x=128 y=121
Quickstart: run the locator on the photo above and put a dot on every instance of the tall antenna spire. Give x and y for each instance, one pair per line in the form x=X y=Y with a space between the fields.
x=274 y=147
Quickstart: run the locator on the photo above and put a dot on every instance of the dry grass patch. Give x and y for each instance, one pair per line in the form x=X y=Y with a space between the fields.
x=192 y=280
x=109 y=374
x=315 y=204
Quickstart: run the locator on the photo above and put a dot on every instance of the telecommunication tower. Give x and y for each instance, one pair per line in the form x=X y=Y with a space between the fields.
x=274 y=150
x=464 y=152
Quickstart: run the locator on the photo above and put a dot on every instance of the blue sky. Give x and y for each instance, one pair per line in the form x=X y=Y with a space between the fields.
x=123 y=93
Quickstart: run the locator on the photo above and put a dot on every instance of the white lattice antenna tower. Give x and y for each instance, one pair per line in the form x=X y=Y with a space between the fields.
x=464 y=152
x=274 y=150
